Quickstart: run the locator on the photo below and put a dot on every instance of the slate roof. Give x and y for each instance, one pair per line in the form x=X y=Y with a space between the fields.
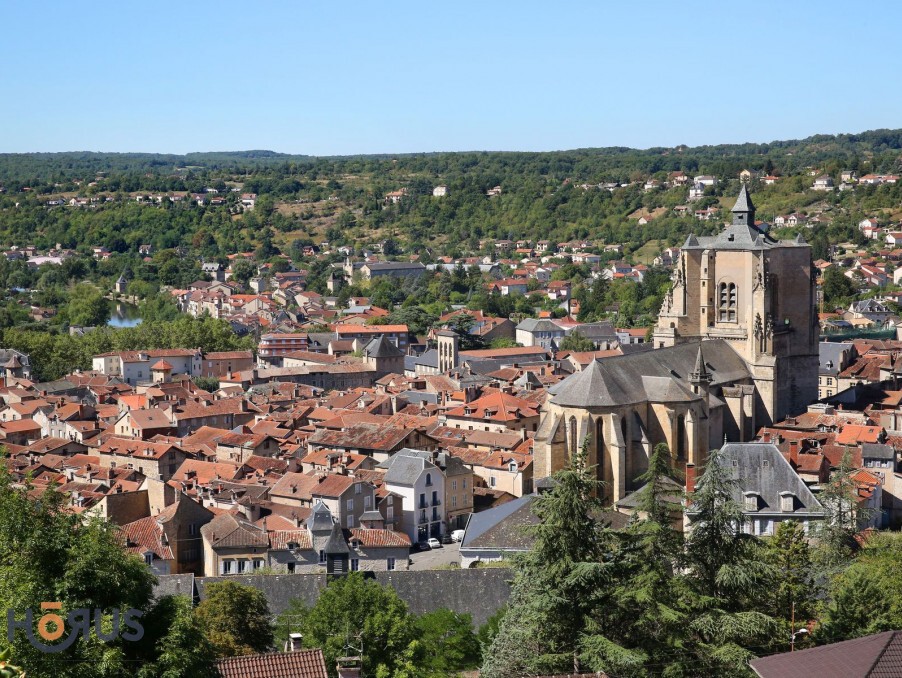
x=297 y=664
x=830 y=356
x=404 y=468
x=874 y=656
x=336 y=544
x=602 y=330
x=540 y=325
x=380 y=347
x=761 y=468
x=877 y=451
x=744 y=201
x=672 y=493
x=643 y=377
x=501 y=527
x=321 y=518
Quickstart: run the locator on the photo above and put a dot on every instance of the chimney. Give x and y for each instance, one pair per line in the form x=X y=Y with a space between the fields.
x=690 y=478
x=794 y=452
x=294 y=642
x=348 y=667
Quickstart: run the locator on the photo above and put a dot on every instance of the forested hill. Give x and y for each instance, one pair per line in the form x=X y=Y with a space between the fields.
x=879 y=147
x=193 y=203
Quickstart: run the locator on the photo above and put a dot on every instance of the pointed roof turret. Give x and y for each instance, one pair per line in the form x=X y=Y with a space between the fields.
x=700 y=373
x=744 y=209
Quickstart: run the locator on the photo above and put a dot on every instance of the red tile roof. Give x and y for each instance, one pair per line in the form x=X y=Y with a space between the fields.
x=298 y=664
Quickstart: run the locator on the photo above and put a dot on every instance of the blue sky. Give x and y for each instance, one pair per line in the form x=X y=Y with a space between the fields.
x=367 y=77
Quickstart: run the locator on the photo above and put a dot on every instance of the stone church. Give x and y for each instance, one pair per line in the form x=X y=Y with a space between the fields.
x=735 y=348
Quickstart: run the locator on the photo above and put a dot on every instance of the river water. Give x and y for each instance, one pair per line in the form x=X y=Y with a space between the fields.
x=124 y=315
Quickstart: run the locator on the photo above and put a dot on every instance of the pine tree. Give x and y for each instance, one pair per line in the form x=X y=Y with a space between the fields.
x=644 y=625
x=556 y=585
x=792 y=597
x=729 y=578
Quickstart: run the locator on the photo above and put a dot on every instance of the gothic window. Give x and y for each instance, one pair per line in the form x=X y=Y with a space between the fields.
x=599 y=436
x=572 y=435
x=728 y=302
x=681 y=437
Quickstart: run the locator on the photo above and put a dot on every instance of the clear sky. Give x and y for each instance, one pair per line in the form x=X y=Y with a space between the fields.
x=343 y=77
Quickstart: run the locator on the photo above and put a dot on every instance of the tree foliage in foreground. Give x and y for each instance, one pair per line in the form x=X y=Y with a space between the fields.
x=235 y=619
x=48 y=554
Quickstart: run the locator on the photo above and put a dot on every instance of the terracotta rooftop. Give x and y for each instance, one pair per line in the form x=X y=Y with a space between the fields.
x=297 y=664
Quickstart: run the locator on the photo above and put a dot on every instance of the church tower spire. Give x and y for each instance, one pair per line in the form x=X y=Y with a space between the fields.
x=744 y=209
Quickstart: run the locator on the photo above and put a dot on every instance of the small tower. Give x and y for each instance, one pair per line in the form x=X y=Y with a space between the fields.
x=121 y=284
x=700 y=378
x=334 y=282
x=161 y=372
x=744 y=209
x=448 y=347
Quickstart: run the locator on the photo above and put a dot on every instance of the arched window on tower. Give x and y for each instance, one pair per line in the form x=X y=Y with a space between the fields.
x=728 y=299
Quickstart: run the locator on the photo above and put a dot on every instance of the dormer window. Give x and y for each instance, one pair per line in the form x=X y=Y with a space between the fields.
x=787 y=501
x=751 y=501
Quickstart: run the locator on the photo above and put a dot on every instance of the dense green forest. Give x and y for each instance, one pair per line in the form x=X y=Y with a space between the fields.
x=341 y=199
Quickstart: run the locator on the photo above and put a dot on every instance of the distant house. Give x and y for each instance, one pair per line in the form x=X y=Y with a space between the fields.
x=248 y=200
x=509 y=286
x=696 y=191
x=214 y=270
x=440 y=191
x=706 y=180
x=492 y=192
x=539 y=332
x=823 y=183
x=708 y=214
x=394 y=197
x=796 y=219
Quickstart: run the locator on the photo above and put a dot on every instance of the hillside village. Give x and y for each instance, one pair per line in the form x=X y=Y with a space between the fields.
x=387 y=407
x=342 y=443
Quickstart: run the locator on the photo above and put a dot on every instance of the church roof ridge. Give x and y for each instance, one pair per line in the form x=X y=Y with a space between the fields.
x=636 y=377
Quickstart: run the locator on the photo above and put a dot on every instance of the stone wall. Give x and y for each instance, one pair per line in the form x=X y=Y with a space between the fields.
x=478 y=592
